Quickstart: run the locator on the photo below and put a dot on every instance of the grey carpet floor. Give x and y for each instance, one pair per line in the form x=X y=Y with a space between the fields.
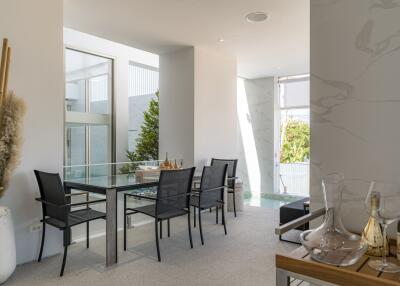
x=246 y=256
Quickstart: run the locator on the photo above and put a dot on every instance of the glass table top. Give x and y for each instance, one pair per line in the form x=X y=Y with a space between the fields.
x=114 y=181
x=114 y=175
x=117 y=175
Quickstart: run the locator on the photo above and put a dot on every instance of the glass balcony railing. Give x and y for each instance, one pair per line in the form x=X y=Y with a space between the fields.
x=295 y=179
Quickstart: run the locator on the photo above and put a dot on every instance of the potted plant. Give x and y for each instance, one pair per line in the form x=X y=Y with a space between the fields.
x=12 y=110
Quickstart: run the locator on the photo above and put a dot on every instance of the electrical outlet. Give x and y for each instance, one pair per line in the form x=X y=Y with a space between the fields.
x=36 y=227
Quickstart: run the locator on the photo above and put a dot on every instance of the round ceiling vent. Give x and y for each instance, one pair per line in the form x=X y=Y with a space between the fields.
x=256 y=17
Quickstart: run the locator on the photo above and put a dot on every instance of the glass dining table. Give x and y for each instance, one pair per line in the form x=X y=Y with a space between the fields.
x=108 y=180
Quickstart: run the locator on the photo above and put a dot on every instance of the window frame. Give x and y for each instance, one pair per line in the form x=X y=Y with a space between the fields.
x=88 y=118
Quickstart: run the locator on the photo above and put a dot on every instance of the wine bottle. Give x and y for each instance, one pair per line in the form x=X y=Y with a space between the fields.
x=166 y=161
x=165 y=164
x=372 y=233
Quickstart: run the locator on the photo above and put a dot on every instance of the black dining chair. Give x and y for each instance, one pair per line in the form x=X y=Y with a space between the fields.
x=58 y=213
x=172 y=200
x=211 y=193
x=232 y=164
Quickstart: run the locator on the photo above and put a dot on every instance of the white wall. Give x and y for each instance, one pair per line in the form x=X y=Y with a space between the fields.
x=215 y=119
x=355 y=99
x=34 y=30
x=197 y=106
x=177 y=105
x=122 y=55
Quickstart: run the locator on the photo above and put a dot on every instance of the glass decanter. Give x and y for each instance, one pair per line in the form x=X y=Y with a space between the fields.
x=331 y=242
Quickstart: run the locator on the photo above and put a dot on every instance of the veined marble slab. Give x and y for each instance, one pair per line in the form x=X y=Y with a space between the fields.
x=355 y=97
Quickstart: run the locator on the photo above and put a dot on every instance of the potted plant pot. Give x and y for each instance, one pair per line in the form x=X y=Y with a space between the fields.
x=7 y=245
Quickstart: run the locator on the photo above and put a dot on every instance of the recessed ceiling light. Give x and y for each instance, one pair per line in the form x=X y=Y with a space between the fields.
x=221 y=40
x=256 y=17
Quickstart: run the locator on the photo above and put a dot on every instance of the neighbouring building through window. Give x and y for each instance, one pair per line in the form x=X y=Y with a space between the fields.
x=143 y=85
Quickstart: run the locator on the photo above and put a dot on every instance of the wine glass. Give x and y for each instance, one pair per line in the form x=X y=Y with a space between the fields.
x=385 y=211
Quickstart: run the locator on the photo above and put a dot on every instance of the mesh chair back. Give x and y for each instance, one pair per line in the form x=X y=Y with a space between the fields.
x=174 y=190
x=52 y=191
x=212 y=177
x=232 y=163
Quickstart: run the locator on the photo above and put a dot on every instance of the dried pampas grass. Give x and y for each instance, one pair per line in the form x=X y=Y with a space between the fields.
x=12 y=110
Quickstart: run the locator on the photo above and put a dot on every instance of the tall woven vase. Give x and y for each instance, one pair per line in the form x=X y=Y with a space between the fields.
x=7 y=245
x=12 y=109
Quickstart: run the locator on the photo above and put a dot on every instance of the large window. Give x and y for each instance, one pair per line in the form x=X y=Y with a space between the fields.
x=294 y=134
x=143 y=86
x=88 y=113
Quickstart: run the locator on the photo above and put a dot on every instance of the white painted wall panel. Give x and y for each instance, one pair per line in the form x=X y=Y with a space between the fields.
x=177 y=105
x=215 y=119
x=34 y=30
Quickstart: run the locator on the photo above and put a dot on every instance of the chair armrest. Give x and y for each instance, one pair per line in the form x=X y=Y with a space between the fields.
x=86 y=203
x=77 y=194
x=142 y=196
x=50 y=204
x=209 y=190
x=298 y=222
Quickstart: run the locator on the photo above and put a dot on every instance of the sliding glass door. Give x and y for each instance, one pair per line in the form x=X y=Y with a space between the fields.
x=88 y=113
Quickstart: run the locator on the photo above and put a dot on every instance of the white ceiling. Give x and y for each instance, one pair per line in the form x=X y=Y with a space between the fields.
x=278 y=46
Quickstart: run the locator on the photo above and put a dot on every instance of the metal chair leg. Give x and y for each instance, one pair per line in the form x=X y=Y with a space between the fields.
x=194 y=217
x=234 y=203
x=216 y=215
x=42 y=243
x=160 y=229
x=157 y=242
x=66 y=238
x=87 y=235
x=190 y=231
x=87 y=223
x=124 y=222
x=168 y=224
x=64 y=260
x=210 y=210
x=201 y=231
x=223 y=218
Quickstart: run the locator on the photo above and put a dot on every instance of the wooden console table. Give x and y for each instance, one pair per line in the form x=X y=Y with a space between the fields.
x=299 y=265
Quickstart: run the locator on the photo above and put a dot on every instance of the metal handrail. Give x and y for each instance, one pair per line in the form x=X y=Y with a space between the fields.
x=299 y=221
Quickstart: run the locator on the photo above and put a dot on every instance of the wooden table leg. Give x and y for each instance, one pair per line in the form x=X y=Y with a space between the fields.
x=111 y=227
